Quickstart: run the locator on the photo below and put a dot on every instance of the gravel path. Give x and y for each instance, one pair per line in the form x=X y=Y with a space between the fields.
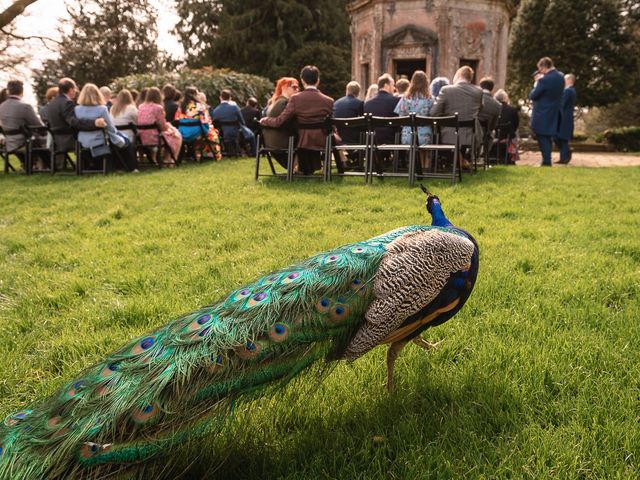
x=593 y=160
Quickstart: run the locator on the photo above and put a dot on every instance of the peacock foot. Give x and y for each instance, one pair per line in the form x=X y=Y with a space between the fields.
x=426 y=346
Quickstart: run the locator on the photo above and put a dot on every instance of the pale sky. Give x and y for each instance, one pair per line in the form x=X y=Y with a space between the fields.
x=43 y=17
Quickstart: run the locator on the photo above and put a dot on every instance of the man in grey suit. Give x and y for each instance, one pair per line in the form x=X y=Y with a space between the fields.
x=15 y=115
x=463 y=98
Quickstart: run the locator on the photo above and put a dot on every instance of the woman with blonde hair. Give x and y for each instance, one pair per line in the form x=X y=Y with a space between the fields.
x=417 y=100
x=125 y=112
x=372 y=91
x=152 y=111
x=278 y=138
x=91 y=105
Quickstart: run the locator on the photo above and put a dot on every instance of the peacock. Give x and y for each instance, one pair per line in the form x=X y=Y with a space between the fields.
x=172 y=385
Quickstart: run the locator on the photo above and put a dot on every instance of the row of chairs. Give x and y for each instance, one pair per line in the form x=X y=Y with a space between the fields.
x=371 y=153
x=76 y=160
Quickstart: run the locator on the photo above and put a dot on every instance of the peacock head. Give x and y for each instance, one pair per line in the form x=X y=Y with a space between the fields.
x=438 y=218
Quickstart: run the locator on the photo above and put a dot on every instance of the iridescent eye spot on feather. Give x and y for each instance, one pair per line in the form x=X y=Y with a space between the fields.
x=90 y=450
x=270 y=280
x=332 y=258
x=215 y=364
x=358 y=287
x=323 y=305
x=54 y=422
x=249 y=350
x=146 y=413
x=339 y=312
x=279 y=332
x=257 y=299
x=2 y=450
x=74 y=389
x=143 y=345
x=102 y=391
x=109 y=370
x=358 y=250
x=241 y=295
x=14 y=419
x=291 y=277
x=200 y=322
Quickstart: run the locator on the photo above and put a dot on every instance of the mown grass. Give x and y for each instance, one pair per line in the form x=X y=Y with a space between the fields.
x=538 y=376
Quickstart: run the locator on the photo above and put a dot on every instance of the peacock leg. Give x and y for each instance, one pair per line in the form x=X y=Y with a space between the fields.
x=426 y=346
x=394 y=350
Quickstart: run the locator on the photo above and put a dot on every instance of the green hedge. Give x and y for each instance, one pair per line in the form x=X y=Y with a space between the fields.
x=626 y=139
x=208 y=80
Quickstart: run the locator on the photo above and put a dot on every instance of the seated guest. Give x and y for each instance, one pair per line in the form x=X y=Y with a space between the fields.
x=349 y=106
x=106 y=94
x=227 y=112
x=436 y=85
x=125 y=112
x=383 y=105
x=490 y=107
x=372 y=91
x=142 y=96
x=3 y=95
x=91 y=105
x=417 y=100
x=52 y=93
x=134 y=94
x=152 y=111
x=463 y=98
x=192 y=109
x=170 y=101
x=251 y=114
x=15 y=115
x=62 y=118
x=402 y=86
x=308 y=106
x=278 y=138
x=511 y=119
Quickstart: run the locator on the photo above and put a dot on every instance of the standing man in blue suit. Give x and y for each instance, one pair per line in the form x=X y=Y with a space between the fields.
x=565 y=125
x=547 y=99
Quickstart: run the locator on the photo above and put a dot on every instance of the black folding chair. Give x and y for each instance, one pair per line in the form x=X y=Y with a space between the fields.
x=325 y=154
x=36 y=136
x=269 y=153
x=67 y=161
x=18 y=152
x=473 y=126
x=362 y=126
x=396 y=123
x=230 y=146
x=437 y=147
x=194 y=145
x=82 y=155
x=501 y=142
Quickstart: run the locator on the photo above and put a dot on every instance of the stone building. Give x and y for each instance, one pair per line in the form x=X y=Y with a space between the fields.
x=437 y=36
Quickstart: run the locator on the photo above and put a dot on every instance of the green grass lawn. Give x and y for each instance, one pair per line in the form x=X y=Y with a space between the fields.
x=537 y=377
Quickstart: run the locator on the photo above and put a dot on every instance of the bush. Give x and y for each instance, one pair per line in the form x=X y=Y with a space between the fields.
x=208 y=80
x=621 y=114
x=626 y=139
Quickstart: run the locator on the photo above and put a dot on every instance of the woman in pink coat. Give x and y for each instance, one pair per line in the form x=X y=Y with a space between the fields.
x=152 y=111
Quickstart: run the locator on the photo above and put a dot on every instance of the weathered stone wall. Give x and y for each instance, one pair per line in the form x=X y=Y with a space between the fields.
x=439 y=31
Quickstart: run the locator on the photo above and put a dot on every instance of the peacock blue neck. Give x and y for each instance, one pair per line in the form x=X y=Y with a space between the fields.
x=438 y=218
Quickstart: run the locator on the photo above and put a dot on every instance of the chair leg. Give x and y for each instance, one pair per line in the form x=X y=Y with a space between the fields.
x=257 y=163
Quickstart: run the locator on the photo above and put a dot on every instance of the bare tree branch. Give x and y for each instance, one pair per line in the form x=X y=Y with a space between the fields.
x=44 y=40
x=14 y=10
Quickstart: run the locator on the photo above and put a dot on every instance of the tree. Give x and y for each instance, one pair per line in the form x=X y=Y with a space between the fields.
x=274 y=38
x=197 y=28
x=106 y=39
x=14 y=10
x=592 y=39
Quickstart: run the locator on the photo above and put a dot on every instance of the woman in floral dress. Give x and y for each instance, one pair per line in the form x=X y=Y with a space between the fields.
x=191 y=108
x=417 y=100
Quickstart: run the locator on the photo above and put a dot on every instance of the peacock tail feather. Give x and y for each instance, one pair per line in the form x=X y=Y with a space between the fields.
x=175 y=383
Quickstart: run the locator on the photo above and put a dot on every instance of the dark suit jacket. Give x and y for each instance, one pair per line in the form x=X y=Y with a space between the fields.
x=565 y=128
x=383 y=105
x=227 y=112
x=490 y=110
x=14 y=113
x=547 y=99
x=510 y=116
x=61 y=116
x=348 y=107
x=308 y=106
x=251 y=117
x=170 y=109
